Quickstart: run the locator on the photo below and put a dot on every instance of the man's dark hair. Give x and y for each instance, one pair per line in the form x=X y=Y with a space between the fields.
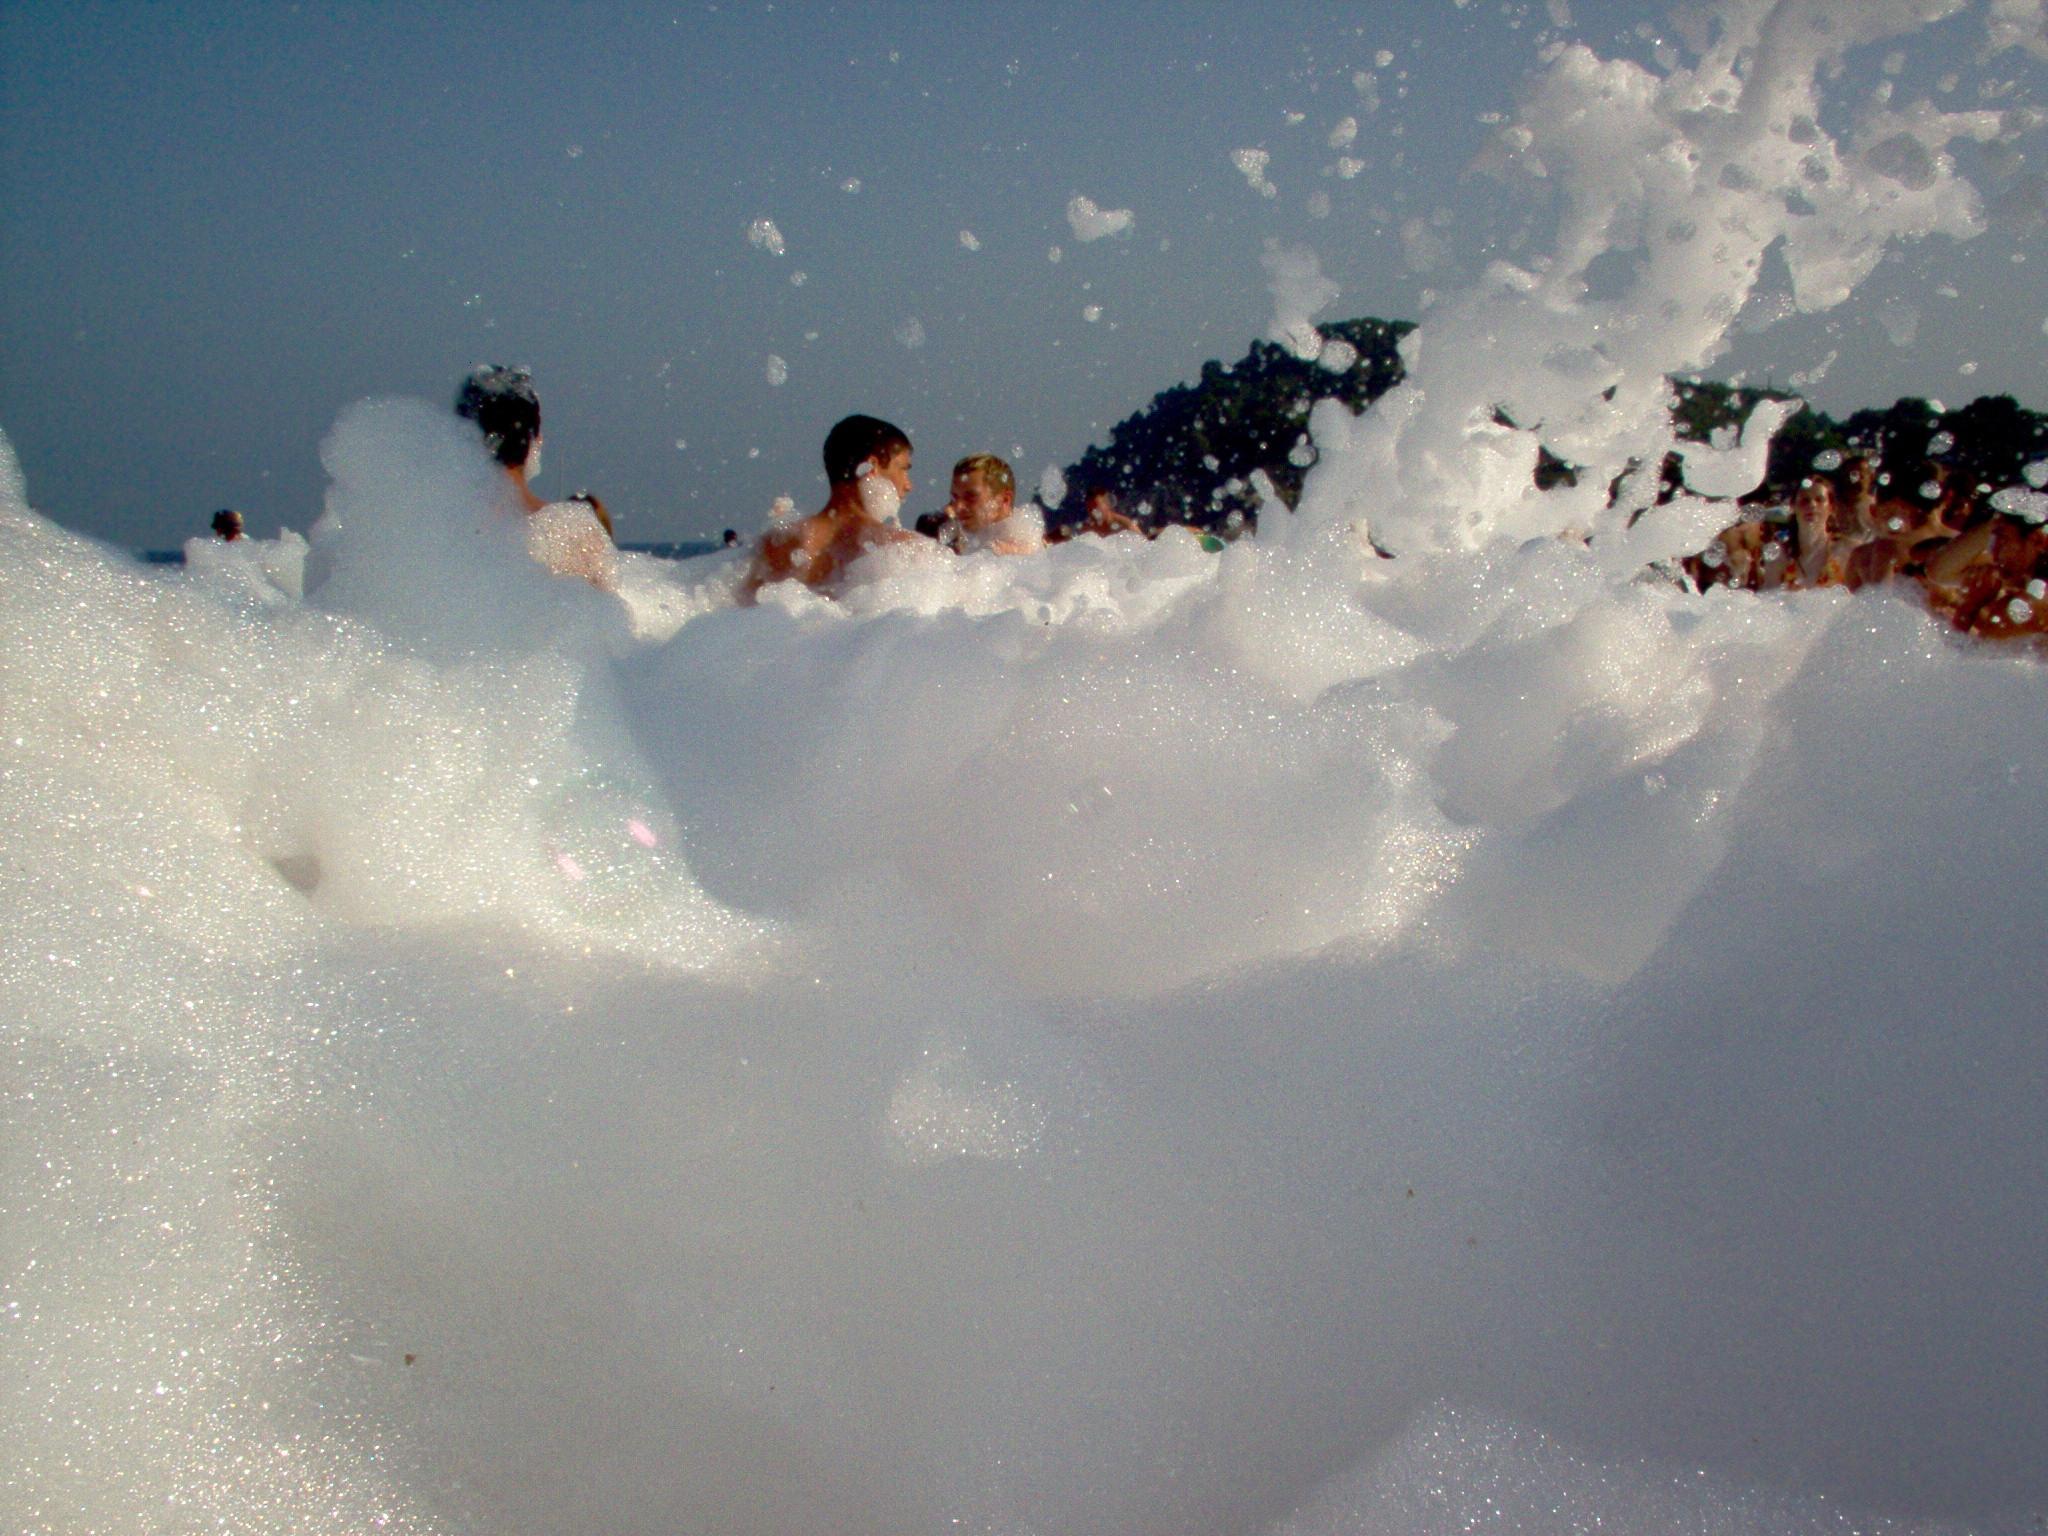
x=859 y=440
x=227 y=522
x=505 y=409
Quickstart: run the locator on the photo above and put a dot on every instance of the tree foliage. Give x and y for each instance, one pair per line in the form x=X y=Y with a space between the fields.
x=1190 y=456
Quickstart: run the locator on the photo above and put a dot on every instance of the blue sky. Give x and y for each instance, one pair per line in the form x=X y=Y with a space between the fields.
x=221 y=223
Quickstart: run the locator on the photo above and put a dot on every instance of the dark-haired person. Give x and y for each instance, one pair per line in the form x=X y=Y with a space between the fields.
x=1102 y=517
x=570 y=538
x=227 y=525
x=867 y=465
x=502 y=403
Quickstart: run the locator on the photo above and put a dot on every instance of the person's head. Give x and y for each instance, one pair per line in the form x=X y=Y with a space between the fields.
x=863 y=445
x=502 y=403
x=732 y=538
x=228 y=523
x=984 y=489
x=1101 y=503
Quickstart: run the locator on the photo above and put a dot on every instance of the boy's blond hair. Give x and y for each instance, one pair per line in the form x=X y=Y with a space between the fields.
x=991 y=471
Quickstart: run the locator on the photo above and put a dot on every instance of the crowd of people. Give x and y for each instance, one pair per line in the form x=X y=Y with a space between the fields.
x=1984 y=571
x=867 y=470
x=867 y=467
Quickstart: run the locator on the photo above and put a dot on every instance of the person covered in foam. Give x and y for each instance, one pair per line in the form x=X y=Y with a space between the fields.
x=982 y=513
x=867 y=465
x=1102 y=517
x=570 y=538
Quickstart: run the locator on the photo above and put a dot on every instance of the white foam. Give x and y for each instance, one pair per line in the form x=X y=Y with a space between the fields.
x=1294 y=276
x=1456 y=1471
x=1116 y=1038
x=1251 y=164
x=1733 y=462
x=1090 y=222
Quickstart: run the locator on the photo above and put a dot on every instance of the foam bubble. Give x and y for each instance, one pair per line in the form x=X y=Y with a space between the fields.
x=1294 y=276
x=1090 y=222
x=1251 y=164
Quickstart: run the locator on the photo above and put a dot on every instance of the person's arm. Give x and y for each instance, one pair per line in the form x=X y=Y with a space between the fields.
x=566 y=538
x=597 y=561
x=597 y=510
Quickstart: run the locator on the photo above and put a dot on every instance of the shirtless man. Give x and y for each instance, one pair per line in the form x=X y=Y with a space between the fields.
x=867 y=465
x=983 y=515
x=1103 y=518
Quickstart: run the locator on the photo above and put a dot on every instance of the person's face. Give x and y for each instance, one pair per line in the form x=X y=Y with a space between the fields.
x=1099 y=508
x=896 y=470
x=977 y=503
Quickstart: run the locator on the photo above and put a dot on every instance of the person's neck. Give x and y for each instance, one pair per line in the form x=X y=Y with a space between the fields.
x=517 y=474
x=845 y=501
